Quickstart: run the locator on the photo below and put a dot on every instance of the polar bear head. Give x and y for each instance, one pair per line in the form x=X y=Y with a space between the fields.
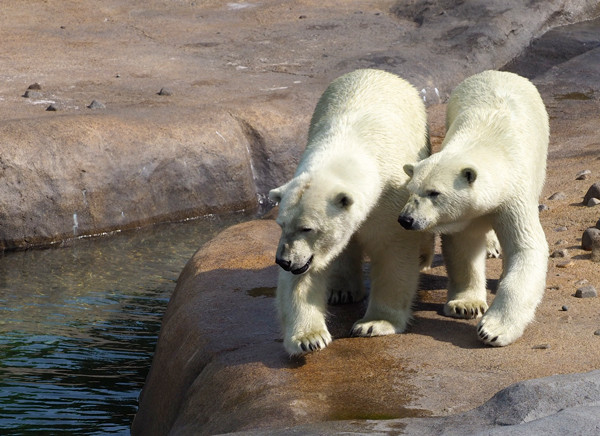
x=444 y=195
x=318 y=214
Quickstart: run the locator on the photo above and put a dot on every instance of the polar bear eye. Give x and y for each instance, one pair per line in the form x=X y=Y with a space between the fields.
x=306 y=229
x=433 y=194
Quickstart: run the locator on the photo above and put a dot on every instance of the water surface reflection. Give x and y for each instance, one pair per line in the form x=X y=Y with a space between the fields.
x=78 y=326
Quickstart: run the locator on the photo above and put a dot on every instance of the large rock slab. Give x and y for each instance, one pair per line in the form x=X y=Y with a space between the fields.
x=243 y=78
x=555 y=405
x=220 y=366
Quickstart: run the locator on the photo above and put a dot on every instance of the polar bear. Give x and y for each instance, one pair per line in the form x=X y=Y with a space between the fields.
x=488 y=175
x=344 y=199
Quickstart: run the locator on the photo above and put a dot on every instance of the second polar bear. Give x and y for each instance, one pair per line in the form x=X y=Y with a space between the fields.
x=345 y=197
x=488 y=174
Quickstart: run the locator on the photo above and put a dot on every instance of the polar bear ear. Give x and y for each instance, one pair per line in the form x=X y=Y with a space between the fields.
x=469 y=174
x=276 y=194
x=409 y=169
x=343 y=200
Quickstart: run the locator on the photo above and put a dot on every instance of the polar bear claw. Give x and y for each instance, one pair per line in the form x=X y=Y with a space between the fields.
x=467 y=309
x=305 y=343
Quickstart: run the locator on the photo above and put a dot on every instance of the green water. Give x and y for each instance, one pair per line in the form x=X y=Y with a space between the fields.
x=79 y=324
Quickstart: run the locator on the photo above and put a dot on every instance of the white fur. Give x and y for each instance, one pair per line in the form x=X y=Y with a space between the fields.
x=343 y=199
x=489 y=174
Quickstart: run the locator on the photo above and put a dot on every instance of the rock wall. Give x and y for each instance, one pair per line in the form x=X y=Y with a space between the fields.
x=242 y=81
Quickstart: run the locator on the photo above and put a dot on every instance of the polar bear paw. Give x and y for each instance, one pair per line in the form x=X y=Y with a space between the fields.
x=467 y=309
x=343 y=297
x=372 y=328
x=305 y=343
x=492 y=330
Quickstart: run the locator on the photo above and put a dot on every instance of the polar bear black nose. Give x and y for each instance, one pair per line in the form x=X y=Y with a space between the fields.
x=285 y=264
x=406 y=221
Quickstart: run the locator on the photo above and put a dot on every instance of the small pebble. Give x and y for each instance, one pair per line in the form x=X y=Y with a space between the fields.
x=565 y=308
x=32 y=94
x=586 y=292
x=165 y=91
x=35 y=86
x=566 y=264
x=561 y=229
x=598 y=224
x=597 y=332
x=581 y=282
x=541 y=347
x=561 y=242
x=593 y=202
x=542 y=208
x=592 y=192
x=583 y=175
x=560 y=253
x=558 y=196
x=95 y=104
x=588 y=237
x=52 y=108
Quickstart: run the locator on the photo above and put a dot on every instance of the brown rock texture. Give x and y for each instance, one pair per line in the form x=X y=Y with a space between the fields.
x=243 y=78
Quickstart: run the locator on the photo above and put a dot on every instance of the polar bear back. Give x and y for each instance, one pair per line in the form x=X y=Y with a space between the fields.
x=499 y=120
x=375 y=111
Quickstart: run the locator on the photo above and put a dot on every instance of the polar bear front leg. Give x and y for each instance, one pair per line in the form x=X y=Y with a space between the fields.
x=521 y=288
x=345 y=283
x=464 y=255
x=301 y=305
x=394 y=281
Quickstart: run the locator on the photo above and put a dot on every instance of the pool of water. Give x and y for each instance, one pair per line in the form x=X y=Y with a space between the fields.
x=79 y=324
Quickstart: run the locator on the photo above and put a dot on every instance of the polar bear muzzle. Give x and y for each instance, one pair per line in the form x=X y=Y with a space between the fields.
x=287 y=265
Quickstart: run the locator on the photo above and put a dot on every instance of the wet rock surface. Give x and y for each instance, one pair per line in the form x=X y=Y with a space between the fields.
x=243 y=77
x=220 y=365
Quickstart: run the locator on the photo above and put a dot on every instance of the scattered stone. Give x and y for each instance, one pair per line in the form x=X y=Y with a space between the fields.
x=561 y=229
x=165 y=91
x=593 y=202
x=583 y=175
x=543 y=207
x=565 y=308
x=32 y=94
x=561 y=242
x=598 y=224
x=595 y=257
x=592 y=192
x=541 y=347
x=586 y=292
x=558 y=196
x=35 y=86
x=581 y=282
x=588 y=236
x=560 y=253
x=597 y=332
x=52 y=108
x=566 y=264
x=95 y=104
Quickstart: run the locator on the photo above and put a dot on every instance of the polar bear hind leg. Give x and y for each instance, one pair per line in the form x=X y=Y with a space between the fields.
x=345 y=282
